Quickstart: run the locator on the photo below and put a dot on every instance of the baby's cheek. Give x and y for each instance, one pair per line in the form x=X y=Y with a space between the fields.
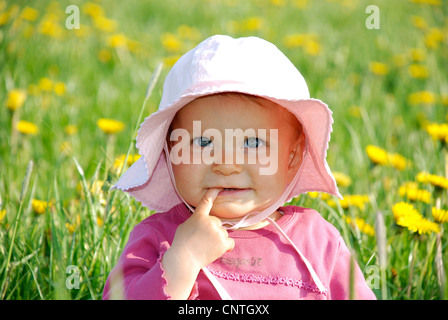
x=187 y=181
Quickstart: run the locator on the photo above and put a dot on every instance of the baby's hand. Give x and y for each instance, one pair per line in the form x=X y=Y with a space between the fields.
x=202 y=237
x=197 y=242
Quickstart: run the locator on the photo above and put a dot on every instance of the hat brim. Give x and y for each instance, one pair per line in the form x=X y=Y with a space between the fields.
x=148 y=179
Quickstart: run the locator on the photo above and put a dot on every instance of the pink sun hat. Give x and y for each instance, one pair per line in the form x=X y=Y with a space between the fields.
x=220 y=64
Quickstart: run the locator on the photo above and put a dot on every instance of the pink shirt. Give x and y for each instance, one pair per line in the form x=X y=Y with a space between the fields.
x=263 y=265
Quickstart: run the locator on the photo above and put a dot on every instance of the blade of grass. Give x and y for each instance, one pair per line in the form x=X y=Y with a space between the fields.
x=352 y=294
x=381 y=240
x=88 y=195
x=423 y=272
x=39 y=290
x=149 y=90
x=23 y=191
x=441 y=275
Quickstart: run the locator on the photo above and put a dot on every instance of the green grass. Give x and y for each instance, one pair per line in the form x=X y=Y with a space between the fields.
x=106 y=82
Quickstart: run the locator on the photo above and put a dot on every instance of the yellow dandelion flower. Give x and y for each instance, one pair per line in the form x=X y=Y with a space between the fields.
x=423 y=177
x=133 y=45
x=418 y=224
x=378 y=68
x=398 y=161
x=118 y=40
x=407 y=216
x=171 y=42
x=417 y=54
x=411 y=191
x=355 y=111
x=49 y=27
x=312 y=48
x=309 y=42
x=381 y=157
x=33 y=89
x=46 y=84
x=362 y=225
x=342 y=179
x=278 y=3
x=418 y=71
x=29 y=14
x=39 y=206
x=433 y=38
x=71 y=227
x=422 y=97
x=252 y=24
x=2 y=215
x=4 y=18
x=119 y=161
x=444 y=99
x=59 y=88
x=97 y=186
x=170 y=60
x=419 y=22
x=315 y=194
x=16 y=98
x=110 y=126
x=439 y=215
x=104 y=55
x=27 y=128
x=399 y=60
x=300 y=4
x=438 y=131
x=403 y=209
x=431 y=2
x=409 y=185
x=83 y=31
x=99 y=222
x=294 y=40
x=435 y=180
x=93 y=9
x=377 y=155
x=104 y=24
x=71 y=129
x=189 y=33
x=354 y=200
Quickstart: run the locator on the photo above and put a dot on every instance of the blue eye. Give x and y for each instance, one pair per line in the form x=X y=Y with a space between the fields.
x=202 y=142
x=253 y=143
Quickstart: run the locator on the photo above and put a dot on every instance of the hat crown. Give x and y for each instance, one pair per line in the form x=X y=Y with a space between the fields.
x=256 y=65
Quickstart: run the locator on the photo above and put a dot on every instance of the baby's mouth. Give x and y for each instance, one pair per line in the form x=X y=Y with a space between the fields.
x=232 y=191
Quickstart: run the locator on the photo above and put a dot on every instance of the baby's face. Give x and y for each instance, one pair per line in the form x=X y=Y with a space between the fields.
x=234 y=164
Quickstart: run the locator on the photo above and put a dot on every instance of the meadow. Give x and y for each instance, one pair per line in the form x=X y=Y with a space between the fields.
x=71 y=101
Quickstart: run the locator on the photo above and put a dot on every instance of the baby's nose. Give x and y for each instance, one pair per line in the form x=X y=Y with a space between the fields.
x=226 y=168
x=230 y=162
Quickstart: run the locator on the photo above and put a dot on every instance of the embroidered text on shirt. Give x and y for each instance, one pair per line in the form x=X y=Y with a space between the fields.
x=253 y=261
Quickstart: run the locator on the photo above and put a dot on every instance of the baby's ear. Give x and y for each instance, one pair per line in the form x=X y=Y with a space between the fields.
x=296 y=153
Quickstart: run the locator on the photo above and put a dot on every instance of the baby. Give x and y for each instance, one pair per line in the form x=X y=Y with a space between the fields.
x=235 y=138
